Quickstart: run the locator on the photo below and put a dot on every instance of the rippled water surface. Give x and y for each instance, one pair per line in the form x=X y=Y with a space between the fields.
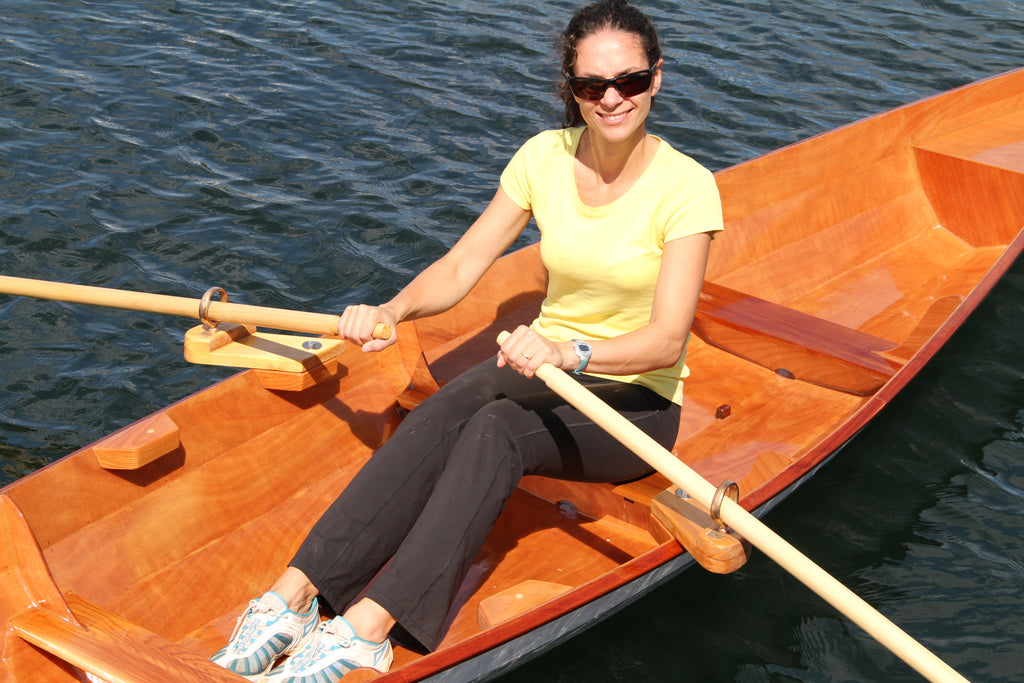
x=311 y=154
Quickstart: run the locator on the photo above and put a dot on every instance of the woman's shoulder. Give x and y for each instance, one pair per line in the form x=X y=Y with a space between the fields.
x=554 y=141
x=680 y=162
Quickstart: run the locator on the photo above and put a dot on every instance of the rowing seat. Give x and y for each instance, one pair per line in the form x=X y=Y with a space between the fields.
x=792 y=343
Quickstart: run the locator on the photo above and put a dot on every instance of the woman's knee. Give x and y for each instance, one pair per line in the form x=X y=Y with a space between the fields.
x=490 y=437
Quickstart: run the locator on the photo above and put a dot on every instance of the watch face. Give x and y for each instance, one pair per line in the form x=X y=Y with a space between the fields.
x=582 y=350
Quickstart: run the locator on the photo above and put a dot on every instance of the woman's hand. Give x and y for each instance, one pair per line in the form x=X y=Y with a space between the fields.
x=525 y=351
x=356 y=324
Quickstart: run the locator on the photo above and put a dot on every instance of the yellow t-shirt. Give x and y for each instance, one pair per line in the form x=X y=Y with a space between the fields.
x=603 y=261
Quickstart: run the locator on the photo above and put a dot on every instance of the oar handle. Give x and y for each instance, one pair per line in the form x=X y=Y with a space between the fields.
x=260 y=316
x=789 y=558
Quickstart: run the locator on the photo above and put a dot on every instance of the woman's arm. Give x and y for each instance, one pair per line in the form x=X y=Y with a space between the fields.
x=446 y=281
x=659 y=344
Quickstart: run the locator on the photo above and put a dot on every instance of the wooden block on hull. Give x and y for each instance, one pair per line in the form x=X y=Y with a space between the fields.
x=516 y=600
x=138 y=444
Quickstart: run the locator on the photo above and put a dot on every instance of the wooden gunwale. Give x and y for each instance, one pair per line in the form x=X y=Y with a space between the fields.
x=364 y=402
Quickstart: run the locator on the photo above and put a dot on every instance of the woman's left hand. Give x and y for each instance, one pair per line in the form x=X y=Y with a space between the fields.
x=525 y=351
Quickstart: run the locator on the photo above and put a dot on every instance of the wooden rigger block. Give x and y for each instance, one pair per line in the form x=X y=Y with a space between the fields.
x=282 y=361
x=692 y=526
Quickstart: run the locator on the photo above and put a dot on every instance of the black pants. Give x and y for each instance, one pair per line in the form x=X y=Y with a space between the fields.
x=425 y=502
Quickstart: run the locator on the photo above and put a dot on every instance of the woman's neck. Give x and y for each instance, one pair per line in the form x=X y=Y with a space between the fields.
x=609 y=161
x=606 y=170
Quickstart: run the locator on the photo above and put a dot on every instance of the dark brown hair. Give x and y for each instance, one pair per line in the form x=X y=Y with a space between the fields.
x=604 y=14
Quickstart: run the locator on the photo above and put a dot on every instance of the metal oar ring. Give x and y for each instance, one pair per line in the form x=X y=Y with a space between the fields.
x=726 y=488
x=204 y=308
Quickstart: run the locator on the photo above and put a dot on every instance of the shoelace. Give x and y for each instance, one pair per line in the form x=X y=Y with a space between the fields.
x=249 y=625
x=321 y=647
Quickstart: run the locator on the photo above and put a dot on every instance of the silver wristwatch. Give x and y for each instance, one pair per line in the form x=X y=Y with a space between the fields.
x=584 y=352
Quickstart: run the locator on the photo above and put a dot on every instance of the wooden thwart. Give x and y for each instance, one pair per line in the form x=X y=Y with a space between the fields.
x=787 y=340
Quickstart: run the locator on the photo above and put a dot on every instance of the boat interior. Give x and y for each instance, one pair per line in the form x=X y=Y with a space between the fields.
x=844 y=259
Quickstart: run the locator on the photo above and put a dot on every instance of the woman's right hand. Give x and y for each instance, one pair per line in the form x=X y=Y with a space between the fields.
x=357 y=323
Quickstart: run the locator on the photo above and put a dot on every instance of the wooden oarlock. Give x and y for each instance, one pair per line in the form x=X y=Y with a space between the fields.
x=228 y=334
x=880 y=628
x=242 y=346
x=700 y=530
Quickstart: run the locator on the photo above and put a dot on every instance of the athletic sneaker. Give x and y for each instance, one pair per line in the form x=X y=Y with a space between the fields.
x=336 y=651
x=266 y=631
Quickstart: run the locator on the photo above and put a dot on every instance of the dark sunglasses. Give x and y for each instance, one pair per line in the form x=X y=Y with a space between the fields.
x=627 y=85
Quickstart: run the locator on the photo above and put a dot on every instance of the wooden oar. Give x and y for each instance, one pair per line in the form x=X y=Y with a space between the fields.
x=792 y=560
x=260 y=316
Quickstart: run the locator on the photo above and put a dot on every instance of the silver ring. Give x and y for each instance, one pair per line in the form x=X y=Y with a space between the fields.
x=204 y=306
x=525 y=356
x=726 y=488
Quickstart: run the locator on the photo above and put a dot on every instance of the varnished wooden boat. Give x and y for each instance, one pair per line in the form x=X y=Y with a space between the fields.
x=847 y=261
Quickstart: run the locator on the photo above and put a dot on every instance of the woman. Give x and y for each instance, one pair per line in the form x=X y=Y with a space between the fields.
x=626 y=223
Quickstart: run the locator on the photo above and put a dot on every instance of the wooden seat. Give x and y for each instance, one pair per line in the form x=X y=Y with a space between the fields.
x=974 y=177
x=792 y=343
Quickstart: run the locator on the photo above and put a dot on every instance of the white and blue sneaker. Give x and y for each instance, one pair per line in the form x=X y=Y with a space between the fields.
x=336 y=651
x=266 y=631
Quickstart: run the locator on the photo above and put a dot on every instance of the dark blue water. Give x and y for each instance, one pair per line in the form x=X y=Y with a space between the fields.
x=311 y=154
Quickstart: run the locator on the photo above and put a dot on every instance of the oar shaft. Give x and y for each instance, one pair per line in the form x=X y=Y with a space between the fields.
x=261 y=316
x=760 y=536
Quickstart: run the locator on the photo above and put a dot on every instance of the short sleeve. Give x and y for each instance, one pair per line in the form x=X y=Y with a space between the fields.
x=697 y=206
x=515 y=179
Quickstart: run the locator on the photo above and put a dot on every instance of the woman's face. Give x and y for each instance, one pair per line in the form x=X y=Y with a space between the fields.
x=610 y=53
